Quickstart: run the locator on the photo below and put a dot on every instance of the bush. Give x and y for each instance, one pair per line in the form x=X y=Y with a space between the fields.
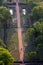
x=1 y=63
x=32 y=56
x=5 y=57
x=37 y=13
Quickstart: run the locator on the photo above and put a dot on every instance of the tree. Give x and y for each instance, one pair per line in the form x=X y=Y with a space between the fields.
x=29 y=34
x=5 y=17
x=35 y=33
x=34 y=38
x=31 y=4
x=37 y=13
x=5 y=57
x=32 y=56
x=1 y=2
x=39 y=50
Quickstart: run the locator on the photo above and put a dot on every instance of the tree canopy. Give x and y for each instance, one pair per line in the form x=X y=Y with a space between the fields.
x=5 y=13
x=5 y=17
x=34 y=37
x=1 y=2
x=37 y=13
x=35 y=31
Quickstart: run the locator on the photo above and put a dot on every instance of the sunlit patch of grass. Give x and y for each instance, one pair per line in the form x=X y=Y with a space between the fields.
x=12 y=40
x=15 y=38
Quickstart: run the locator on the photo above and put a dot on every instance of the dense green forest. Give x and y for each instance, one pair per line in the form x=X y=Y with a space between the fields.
x=33 y=36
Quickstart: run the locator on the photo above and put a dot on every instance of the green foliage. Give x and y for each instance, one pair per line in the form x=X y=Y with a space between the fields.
x=32 y=4
x=35 y=35
x=1 y=63
x=39 y=50
x=29 y=34
x=5 y=18
x=4 y=15
x=38 y=26
x=5 y=57
x=35 y=32
x=38 y=35
x=37 y=13
x=32 y=56
x=15 y=40
x=40 y=3
x=10 y=46
x=27 y=1
x=39 y=47
x=1 y=2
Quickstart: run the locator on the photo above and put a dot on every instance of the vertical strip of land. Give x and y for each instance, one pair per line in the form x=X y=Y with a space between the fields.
x=21 y=51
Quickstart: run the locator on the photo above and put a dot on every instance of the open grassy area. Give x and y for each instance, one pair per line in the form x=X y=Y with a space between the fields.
x=12 y=40
x=12 y=44
x=15 y=38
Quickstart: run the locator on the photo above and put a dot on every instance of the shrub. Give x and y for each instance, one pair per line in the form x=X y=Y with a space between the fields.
x=32 y=56
x=5 y=57
x=1 y=63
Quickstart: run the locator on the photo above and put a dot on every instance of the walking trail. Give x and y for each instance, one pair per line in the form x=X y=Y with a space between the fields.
x=21 y=51
x=20 y=41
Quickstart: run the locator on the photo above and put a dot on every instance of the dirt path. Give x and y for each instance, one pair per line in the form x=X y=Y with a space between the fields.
x=21 y=51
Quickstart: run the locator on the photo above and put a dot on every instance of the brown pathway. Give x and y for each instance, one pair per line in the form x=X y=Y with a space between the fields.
x=21 y=51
